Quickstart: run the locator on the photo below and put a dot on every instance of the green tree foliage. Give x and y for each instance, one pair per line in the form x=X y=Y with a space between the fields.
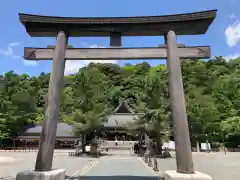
x=17 y=104
x=231 y=126
x=212 y=93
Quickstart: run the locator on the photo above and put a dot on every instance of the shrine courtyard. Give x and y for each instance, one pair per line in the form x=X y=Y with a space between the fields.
x=121 y=165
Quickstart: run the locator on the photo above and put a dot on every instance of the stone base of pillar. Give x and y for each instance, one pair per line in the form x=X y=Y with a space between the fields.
x=173 y=175
x=56 y=174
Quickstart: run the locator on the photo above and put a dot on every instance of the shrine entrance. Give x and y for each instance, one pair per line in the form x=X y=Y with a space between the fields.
x=115 y=28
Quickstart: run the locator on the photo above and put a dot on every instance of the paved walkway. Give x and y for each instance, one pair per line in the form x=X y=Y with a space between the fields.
x=116 y=167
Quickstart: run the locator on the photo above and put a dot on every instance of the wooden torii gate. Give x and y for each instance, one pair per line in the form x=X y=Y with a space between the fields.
x=115 y=28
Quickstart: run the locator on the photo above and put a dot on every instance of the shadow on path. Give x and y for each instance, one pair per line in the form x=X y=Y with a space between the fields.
x=114 y=178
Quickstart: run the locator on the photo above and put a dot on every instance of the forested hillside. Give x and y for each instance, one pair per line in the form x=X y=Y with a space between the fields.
x=212 y=93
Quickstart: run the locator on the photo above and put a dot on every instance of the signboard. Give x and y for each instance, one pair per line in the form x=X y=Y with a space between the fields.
x=205 y=146
x=169 y=145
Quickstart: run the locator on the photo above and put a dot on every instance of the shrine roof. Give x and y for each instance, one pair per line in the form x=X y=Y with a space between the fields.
x=63 y=130
x=182 y=24
x=121 y=119
x=123 y=116
x=123 y=107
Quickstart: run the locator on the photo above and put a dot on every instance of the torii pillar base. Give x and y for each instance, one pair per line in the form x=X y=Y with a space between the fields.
x=55 y=174
x=174 y=175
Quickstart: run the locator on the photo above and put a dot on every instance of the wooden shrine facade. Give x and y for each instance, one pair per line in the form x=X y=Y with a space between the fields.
x=169 y=26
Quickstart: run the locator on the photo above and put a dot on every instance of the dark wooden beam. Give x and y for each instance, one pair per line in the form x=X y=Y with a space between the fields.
x=194 y=52
x=115 y=39
x=182 y=24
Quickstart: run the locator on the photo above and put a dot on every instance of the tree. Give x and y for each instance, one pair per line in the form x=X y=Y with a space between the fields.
x=231 y=131
x=212 y=93
x=87 y=125
x=231 y=126
x=155 y=107
x=90 y=103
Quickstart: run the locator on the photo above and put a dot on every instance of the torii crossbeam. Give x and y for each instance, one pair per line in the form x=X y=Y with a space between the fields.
x=117 y=53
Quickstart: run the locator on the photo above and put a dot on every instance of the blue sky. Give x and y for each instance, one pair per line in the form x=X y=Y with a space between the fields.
x=223 y=35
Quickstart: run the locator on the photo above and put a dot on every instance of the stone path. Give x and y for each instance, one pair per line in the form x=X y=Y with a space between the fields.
x=116 y=167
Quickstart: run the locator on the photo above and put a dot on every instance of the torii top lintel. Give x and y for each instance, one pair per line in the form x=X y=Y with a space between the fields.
x=182 y=24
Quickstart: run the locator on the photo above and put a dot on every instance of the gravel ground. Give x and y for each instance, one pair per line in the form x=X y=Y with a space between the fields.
x=26 y=161
x=218 y=165
x=119 y=165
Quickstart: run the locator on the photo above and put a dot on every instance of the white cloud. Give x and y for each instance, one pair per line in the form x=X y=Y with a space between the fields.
x=232 y=16
x=14 y=44
x=83 y=44
x=10 y=53
x=232 y=34
x=96 y=46
x=232 y=56
x=72 y=66
x=9 y=50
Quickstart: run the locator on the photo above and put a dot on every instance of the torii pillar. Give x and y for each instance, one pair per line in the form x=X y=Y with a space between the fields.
x=178 y=108
x=48 y=135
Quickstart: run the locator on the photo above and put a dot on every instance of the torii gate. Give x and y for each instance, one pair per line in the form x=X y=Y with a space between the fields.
x=116 y=27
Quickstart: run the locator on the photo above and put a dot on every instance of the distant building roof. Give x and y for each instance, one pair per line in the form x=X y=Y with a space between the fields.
x=63 y=130
x=123 y=115
x=123 y=107
x=121 y=119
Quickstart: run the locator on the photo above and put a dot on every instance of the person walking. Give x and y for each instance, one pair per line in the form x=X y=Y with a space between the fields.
x=131 y=149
